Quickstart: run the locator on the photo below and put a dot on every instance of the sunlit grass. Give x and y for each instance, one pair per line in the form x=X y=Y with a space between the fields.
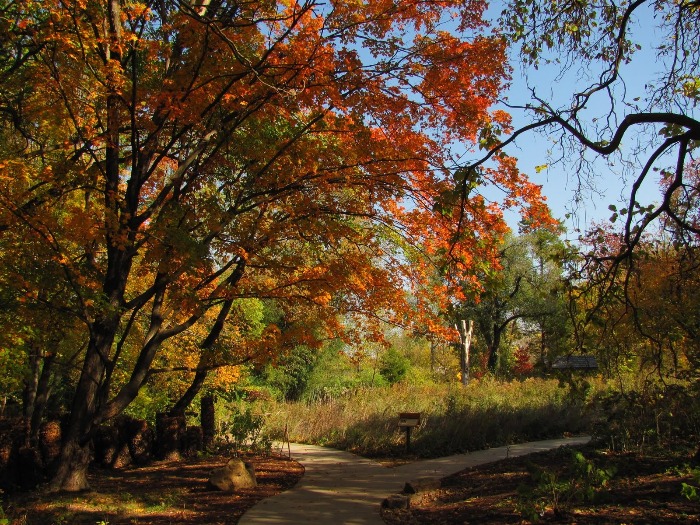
x=454 y=418
x=104 y=508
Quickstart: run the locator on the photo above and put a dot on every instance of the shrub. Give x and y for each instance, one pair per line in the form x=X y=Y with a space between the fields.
x=393 y=365
x=558 y=491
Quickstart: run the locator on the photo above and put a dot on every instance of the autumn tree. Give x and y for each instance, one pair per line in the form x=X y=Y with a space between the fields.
x=162 y=160
x=644 y=310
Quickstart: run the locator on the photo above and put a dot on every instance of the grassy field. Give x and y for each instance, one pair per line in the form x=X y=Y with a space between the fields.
x=454 y=419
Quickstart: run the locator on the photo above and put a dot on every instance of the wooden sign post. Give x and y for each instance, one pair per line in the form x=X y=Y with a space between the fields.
x=407 y=421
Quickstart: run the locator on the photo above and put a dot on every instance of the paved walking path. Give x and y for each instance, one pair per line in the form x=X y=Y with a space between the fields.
x=340 y=488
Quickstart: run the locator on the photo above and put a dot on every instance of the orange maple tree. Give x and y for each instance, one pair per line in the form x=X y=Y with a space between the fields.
x=162 y=160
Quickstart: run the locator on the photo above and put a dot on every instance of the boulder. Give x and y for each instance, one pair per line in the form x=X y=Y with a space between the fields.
x=235 y=475
x=170 y=435
x=139 y=438
x=194 y=441
x=397 y=501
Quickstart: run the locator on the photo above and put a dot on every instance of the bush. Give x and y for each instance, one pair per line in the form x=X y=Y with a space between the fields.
x=559 y=491
x=393 y=366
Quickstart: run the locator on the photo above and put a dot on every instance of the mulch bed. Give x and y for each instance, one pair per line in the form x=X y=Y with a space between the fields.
x=645 y=489
x=159 y=494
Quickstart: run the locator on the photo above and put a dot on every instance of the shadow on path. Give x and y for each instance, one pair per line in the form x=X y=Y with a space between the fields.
x=341 y=488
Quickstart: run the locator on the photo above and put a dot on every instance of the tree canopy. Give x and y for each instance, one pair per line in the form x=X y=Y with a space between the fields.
x=163 y=160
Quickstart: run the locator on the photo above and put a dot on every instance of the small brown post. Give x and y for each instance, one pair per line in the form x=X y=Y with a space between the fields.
x=408 y=420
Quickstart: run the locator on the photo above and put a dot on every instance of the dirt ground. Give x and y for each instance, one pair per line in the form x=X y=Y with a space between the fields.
x=641 y=489
x=159 y=494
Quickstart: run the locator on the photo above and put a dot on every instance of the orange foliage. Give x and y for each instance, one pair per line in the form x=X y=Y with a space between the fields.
x=180 y=156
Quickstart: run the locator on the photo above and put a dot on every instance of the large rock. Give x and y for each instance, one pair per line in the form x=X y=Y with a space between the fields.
x=235 y=475
x=194 y=441
x=170 y=436
x=139 y=438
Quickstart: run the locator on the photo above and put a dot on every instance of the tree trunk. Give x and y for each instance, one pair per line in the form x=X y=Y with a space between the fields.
x=465 y=337
x=42 y=397
x=29 y=392
x=73 y=462
x=494 y=350
x=186 y=400
x=208 y=420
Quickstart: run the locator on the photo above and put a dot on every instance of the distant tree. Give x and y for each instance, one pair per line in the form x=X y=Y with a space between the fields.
x=526 y=287
x=393 y=365
x=643 y=312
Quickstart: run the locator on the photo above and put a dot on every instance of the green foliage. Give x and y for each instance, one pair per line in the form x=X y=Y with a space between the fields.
x=4 y=520
x=393 y=366
x=652 y=414
x=148 y=403
x=290 y=374
x=244 y=430
x=692 y=491
x=557 y=491
x=335 y=376
x=521 y=302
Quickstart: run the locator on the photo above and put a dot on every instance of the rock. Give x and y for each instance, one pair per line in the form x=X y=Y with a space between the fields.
x=397 y=501
x=235 y=475
x=194 y=441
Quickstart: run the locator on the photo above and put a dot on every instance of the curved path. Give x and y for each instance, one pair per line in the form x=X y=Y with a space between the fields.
x=341 y=488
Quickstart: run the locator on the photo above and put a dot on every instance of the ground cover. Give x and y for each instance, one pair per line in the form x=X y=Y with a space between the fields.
x=607 y=487
x=162 y=493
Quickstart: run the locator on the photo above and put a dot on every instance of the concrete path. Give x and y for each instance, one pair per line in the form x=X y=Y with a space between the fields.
x=342 y=488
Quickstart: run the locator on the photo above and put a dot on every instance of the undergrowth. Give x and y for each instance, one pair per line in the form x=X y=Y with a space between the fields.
x=454 y=419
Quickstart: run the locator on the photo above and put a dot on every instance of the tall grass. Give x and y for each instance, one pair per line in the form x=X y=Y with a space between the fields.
x=486 y=413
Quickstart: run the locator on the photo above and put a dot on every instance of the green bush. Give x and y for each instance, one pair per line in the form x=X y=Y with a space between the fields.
x=654 y=414
x=558 y=491
x=393 y=365
x=244 y=429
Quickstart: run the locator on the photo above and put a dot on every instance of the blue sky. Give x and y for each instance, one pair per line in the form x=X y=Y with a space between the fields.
x=559 y=181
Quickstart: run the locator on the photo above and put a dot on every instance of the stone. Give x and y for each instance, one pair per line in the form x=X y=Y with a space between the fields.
x=397 y=501
x=194 y=440
x=235 y=475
